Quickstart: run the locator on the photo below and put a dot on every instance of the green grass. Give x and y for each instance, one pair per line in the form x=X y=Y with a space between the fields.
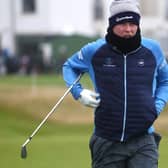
x=163 y=152
x=39 y=80
x=55 y=151
x=57 y=144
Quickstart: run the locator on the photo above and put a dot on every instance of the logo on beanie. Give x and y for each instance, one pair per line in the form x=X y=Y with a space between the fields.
x=120 y=19
x=124 y=17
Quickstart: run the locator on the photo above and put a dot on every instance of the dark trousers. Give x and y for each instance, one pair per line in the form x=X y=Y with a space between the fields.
x=139 y=152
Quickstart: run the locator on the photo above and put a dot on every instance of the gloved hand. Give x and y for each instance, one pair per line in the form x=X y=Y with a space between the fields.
x=89 y=98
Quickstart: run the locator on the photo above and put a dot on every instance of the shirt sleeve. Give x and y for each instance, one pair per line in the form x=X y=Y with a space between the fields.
x=78 y=63
x=161 y=94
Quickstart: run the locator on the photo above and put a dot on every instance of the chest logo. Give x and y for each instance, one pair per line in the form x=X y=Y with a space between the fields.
x=141 y=63
x=108 y=62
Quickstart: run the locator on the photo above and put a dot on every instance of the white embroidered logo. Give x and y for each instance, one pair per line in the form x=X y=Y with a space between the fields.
x=80 y=56
x=141 y=62
x=123 y=18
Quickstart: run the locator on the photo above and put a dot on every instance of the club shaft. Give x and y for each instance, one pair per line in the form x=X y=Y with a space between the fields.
x=52 y=110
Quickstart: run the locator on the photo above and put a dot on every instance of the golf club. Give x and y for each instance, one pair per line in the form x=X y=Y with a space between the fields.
x=23 y=149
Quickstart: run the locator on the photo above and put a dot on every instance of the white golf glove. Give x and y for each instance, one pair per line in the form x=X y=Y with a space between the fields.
x=89 y=98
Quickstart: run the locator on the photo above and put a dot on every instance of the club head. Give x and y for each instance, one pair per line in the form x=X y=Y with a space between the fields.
x=23 y=152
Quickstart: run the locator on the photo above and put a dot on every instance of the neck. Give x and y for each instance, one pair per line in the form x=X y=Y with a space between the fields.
x=124 y=45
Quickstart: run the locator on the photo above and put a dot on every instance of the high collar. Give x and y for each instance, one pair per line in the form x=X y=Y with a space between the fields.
x=122 y=44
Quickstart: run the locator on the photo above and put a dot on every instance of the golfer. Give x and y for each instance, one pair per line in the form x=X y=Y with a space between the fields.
x=130 y=78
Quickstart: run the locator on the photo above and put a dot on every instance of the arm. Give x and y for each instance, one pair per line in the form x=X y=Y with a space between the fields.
x=72 y=68
x=78 y=63
x=161 y=88
x=161 y=94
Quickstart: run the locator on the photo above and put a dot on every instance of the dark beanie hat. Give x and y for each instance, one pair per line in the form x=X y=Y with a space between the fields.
x=122 y=11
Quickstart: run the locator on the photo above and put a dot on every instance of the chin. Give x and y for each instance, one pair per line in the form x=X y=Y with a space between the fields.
x=128 y=36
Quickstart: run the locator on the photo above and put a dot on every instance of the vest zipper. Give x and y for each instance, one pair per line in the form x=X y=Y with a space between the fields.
x=125 y=98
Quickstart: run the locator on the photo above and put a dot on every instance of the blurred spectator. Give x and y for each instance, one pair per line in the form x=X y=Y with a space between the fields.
x=24 y=64
x=3 y=68
x=12 y=64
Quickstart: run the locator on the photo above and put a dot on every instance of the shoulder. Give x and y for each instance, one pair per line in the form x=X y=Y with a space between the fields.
x=93 y=46
x=151 y=44
x=154 y=47
x=98 y=42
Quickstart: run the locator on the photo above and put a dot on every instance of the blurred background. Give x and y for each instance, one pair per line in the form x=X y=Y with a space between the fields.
x=36 y=37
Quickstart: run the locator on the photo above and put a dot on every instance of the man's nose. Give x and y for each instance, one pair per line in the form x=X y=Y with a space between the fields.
x=128 y=27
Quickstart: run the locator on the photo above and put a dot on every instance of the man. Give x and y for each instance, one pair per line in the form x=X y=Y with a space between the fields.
x=130 y=77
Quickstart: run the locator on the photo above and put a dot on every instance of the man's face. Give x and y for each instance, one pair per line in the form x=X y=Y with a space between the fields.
x=125 y=30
